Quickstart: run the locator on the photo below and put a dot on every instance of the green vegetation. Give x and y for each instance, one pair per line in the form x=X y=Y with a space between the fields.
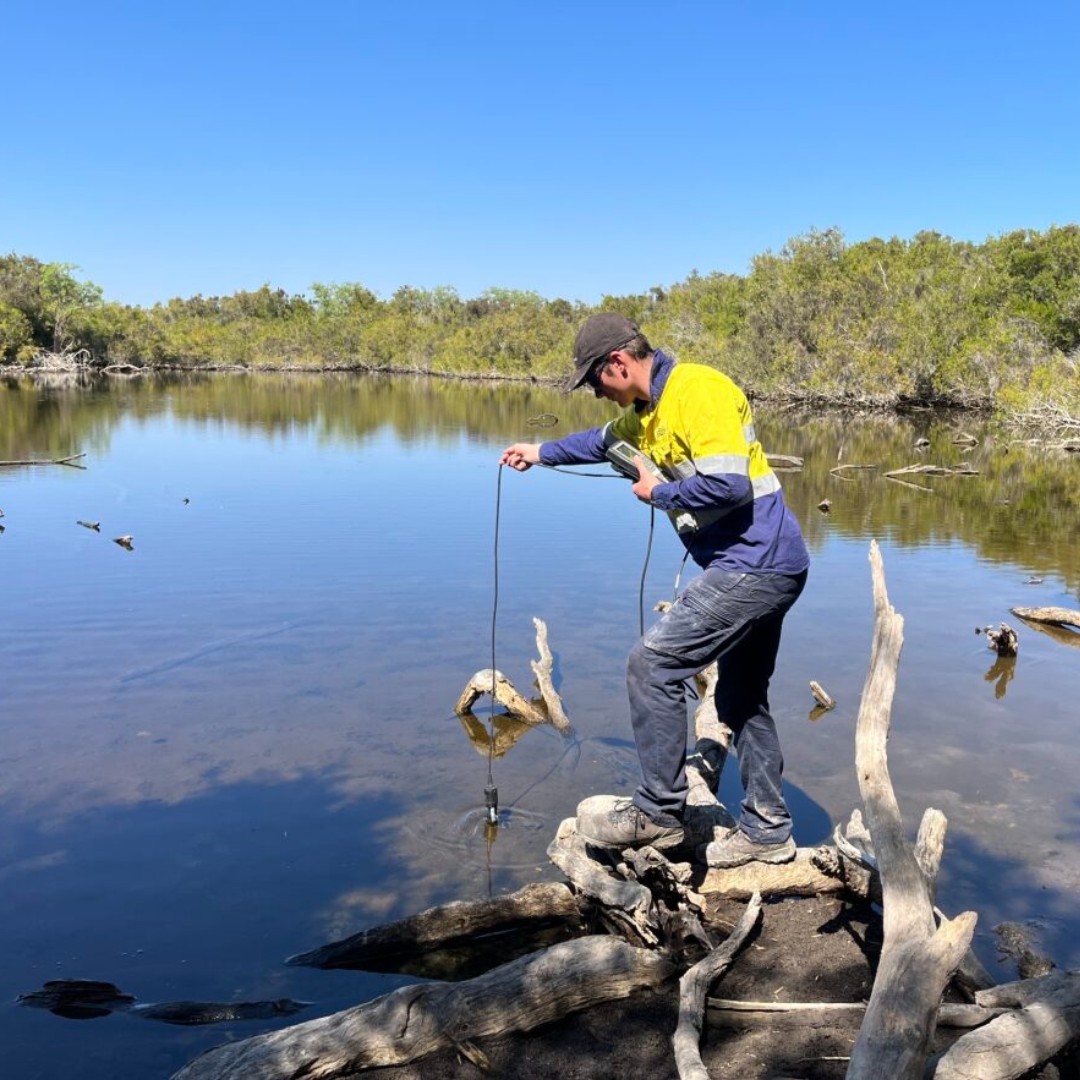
x=926 y=320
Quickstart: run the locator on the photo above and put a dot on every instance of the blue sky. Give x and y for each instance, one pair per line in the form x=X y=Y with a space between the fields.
x=571 y=149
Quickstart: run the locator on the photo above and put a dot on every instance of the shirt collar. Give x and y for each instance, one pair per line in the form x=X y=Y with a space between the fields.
x=661 y=368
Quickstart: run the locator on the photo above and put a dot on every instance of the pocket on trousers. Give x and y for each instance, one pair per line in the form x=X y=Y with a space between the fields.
x=698 y=622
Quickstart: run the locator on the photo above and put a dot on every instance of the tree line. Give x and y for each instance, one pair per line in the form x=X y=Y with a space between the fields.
x=930 y=320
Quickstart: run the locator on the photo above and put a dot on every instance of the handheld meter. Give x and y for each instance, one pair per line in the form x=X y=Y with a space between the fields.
x=624 y=457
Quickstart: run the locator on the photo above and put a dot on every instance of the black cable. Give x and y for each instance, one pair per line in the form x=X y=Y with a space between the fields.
x=491 y=792
x=644 y=571
x=578 y=472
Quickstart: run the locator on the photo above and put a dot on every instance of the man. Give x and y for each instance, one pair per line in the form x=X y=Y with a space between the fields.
x=729 y=510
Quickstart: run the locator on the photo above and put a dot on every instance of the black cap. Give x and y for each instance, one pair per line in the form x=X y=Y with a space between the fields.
x=601 y=334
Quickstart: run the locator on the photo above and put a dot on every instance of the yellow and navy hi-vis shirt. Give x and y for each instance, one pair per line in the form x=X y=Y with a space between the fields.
x=698 y=427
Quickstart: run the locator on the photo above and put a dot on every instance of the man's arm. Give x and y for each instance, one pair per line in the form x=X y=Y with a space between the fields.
x=521 y=456
x=580 y=448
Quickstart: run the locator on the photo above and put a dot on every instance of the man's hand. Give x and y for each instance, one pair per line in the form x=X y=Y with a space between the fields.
x=643 y=486
x=521 y=456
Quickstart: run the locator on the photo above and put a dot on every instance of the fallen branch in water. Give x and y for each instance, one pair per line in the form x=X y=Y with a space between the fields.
x=506 y=694
x=69 y=461
x=963 y=469
x=838 y=471
x=1051 y=616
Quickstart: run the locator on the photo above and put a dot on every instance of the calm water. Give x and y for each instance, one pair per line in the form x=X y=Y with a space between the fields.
x=237 y=740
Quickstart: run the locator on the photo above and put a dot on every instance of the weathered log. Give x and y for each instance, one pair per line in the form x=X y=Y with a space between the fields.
x=917 y=957
x=827 y=1014
x=532 y=907
x=416 y=1020
x=963 y=469
x=854 y=844
x=821 y=695
x=1003 y=641
x=49 y=461
x=629 y=903
x=504 y=692
x=784 y=461
x=693 y=987
x=1052 y=616
x=801 y=877
x=542 y=670
x=1046 y=1017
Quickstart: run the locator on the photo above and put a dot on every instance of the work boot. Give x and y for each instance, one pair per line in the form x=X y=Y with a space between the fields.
x=737 y=849
x=611 y=822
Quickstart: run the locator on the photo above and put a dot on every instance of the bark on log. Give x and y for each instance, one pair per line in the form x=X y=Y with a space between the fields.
x=1046 y=1018
x=535 y=905
x=917 y=958
x=693 y=987
x=417 y=1020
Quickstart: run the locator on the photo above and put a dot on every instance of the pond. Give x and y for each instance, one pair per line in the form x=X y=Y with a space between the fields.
x=236 y=740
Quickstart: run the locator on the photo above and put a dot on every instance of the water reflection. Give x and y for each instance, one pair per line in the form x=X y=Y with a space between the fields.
x=1011 y=511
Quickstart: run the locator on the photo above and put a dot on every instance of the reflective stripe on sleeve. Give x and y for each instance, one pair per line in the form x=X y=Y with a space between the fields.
x=714 y=465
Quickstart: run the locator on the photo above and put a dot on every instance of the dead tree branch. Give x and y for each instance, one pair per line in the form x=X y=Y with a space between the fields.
x=693 y=987
x=917 y=957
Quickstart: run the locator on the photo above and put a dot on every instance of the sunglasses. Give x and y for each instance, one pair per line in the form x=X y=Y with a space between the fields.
x=593 y=378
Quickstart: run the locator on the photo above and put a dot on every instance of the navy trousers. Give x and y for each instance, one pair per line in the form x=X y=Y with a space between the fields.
x=735 y=619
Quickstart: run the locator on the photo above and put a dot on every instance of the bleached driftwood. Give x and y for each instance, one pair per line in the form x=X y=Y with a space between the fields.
x=858 y=866
x=1050 y=616
x=627 y=904
x=1044 y=1016
x=801 y=877
x=917 y=956
x=821 y=695
x=535 y=905
x=839 y=470
x=784 y=461
x=963 y=469
x=542 y=670
x=50 y=461
x=693 y=987
x=506 y=694
x=417 y=1020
